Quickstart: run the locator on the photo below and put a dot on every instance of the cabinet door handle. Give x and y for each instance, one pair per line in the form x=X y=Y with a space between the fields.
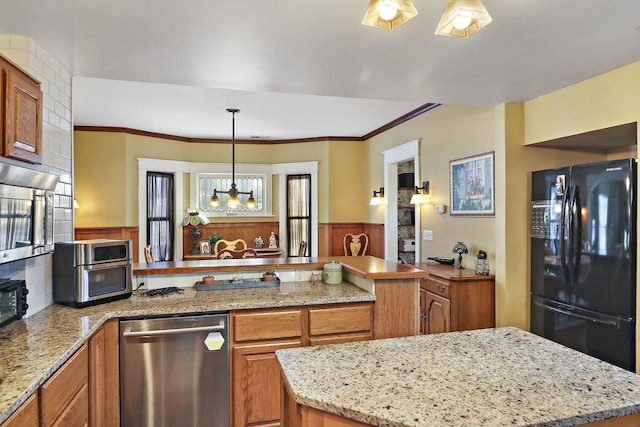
x=440 y=287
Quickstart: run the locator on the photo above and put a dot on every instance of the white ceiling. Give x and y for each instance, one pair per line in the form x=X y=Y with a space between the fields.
x=308 y=68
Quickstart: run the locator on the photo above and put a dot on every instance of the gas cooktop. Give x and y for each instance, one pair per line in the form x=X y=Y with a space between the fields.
x=163 y=291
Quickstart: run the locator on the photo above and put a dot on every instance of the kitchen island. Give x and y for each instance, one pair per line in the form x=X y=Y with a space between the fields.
x=502 y=376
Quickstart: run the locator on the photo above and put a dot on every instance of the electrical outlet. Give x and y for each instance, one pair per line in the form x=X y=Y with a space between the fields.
x=427 y=234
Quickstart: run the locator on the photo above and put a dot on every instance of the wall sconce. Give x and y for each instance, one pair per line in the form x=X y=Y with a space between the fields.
x=377 y=197
x=75 y=204
x=462 y=19
x=421 y=194
x=389 y=15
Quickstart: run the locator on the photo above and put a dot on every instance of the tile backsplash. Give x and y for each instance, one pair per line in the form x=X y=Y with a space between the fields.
x=57 y=158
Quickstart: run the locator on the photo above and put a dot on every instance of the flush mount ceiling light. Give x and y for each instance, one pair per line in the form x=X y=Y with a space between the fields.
x=462 y=19
x=234 y=200
x=389 y=15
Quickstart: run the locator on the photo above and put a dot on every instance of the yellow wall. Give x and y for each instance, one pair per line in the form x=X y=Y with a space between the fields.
x=607 y=100
x=447 y=132
x=100 y=179
x=106 y=173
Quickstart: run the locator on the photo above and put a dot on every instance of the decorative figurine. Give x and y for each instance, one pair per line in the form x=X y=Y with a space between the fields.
x=459 y=249
x=482 y=264
x=273 y=241
x=259 y=242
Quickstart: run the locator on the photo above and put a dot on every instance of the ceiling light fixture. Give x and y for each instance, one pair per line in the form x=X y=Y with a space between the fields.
x=462 y=19
x=421 y=194
x=377 y=198
x=389 y=15
x=234 y=200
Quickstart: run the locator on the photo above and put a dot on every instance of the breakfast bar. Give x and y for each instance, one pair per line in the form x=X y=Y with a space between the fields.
x=502 y=376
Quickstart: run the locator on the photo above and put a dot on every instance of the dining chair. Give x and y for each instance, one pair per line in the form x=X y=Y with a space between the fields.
x=227 y=253
x=355 y=244
x=302 y=249
x=233 y=245
x=148 y=254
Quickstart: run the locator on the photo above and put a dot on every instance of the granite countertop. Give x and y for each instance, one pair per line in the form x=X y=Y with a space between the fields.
x=502 y=376
x=368 y=267
x=32 y=349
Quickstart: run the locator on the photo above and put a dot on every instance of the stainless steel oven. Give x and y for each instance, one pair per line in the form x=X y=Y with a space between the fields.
x=87 y=272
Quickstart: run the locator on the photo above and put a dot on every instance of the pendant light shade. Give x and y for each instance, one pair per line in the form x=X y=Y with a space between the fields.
x=462 y=19
x=389 y=15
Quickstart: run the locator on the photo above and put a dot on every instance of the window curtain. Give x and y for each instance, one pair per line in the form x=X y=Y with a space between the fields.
x=160 y=217
x=298 y=213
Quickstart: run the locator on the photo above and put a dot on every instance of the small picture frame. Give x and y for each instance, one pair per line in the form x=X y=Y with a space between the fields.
x=205 y=247
x=472 y=189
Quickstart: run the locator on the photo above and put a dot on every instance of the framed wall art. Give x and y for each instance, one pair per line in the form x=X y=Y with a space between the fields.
x=471 y=185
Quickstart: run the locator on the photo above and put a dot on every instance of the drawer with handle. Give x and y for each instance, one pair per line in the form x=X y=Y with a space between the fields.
x=436 y=286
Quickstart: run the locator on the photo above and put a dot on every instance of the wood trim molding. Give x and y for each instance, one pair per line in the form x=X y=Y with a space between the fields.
x=406 y=117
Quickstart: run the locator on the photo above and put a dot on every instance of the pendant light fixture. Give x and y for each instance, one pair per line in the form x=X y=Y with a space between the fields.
x=234 y=200
x=389 y=15
x=462 y=19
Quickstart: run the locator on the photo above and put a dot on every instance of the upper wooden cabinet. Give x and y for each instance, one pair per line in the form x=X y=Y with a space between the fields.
x=21 y=98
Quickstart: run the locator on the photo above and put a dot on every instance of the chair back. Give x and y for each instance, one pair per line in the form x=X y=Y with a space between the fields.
x=227 y=253
x=148 y=254
x=355 y=244
x=302 y=249
x=233 y=245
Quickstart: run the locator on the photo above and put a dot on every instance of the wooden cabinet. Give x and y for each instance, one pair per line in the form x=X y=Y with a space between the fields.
x=340 y=324
x=26 y=415
x=21 y=98
x=104 y=376
x=64 y=398
x=455 y=300
x=84 y=391
x=257 y=334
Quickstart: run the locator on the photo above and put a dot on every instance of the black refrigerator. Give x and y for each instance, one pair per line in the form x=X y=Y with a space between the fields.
x=583 y=258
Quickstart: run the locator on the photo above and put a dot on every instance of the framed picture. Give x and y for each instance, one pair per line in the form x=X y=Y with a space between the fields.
x=205 y=247
x=471 y=185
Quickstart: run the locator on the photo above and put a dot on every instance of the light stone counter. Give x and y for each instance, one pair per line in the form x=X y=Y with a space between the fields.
x=491 y=377
x=32 y=349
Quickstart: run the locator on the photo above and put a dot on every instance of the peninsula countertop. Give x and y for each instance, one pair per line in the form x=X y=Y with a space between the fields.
x=502 y=376
x=33 y=348
x=368 y=267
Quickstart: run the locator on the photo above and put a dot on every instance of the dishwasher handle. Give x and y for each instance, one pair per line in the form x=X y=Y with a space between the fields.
x=128 y=333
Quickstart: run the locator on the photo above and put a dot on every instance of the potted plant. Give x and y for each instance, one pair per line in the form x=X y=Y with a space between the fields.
x=270 y=274
x=214 y=238
x=208 y=280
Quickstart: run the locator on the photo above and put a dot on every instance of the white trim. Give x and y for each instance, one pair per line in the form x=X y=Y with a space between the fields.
x=177 y=168
x=284 y=169
x=407 y=151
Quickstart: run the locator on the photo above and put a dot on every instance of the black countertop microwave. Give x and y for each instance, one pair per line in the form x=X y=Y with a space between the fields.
x=13 y=300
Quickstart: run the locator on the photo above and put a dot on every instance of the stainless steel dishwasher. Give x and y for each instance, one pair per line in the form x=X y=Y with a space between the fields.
x=172 y=372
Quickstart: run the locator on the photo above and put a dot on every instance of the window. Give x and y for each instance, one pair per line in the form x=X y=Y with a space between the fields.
x=222 y=182
x=298 y=212
x=160 y=215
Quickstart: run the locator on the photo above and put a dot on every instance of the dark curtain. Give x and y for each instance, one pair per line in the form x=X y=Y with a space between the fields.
x=160 y=217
